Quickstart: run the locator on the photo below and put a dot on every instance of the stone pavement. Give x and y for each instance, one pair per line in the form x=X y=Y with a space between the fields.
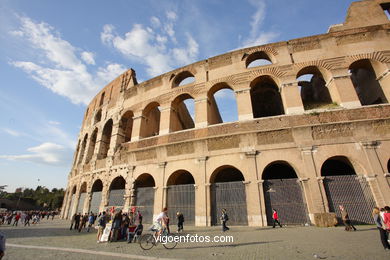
x=53 y=240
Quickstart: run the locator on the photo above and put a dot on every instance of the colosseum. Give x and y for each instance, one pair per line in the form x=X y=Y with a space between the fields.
x=312 y=132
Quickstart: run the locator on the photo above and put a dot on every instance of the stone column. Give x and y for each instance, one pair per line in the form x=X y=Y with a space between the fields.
x=87 y=202
x=244 y=107
x=165 y=120
x=115 y=135
x=201 y=112
x=129 y=195
x=137 y=120
x=64 y=204
x=76 y=203
x=379 y=186
x=291 y=98
x=160 y=191
x=202 y=202
x=105 y=195
x=306 y=194
x=342 y=90
x=263 y=211
x=252 y=190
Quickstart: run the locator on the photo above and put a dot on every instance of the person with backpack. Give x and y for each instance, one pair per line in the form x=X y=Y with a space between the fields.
x=224 y=219
x=180 y=221
x=101 y=225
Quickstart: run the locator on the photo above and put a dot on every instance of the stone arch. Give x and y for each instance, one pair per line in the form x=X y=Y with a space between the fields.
x=181 y=195
x=364 y=79
x=72 y=201
x=97 y=185
x=84 y=144
x=312 y=84
x=91 y=146
x=117 y=192
x=343 y=187
x=183 y=78
x=126 y=127
x=228 y=192
x=182 y=114
x=105 y=139
x=283 y=192
x=144 y=196
x=258 y=58
x=98 y=117
x=218 y=105
x=150 y=124
x=265 y=97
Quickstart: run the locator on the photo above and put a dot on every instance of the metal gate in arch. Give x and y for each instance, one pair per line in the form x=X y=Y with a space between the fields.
x=144 y=202
x=354 y=193
x=232 y=197
x=181 y=198
x=116 y=198
x=70 y=210
x=95 y=201
x=80 y=206
x=286 y=197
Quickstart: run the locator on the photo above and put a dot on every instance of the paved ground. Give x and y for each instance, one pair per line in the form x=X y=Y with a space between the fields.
x=53 y=240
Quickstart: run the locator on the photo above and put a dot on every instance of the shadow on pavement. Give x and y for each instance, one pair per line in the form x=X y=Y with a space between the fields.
x=228 y=245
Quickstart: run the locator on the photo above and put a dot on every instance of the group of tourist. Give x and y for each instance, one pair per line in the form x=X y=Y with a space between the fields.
x=382 y=221
x=25 y=217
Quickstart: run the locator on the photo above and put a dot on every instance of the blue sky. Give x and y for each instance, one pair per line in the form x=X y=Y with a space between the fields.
x=56 y=55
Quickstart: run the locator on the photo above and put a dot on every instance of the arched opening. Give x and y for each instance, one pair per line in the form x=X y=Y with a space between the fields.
x=228 y=192
x=72 y=201
x=344 y=187
x=83 y=145
x=83 y=195
x=283 y=192
x=92 y=144
x=96 y=199
x=222 y=105
x=144 y=196
x=126 y=126
x=150 y=124
x=265 y=97
x=182 y=115
x=314 y=93
x=388 y=166
x=98 y=117
x=259 y=58
x=183 y=78
x=366 y=84
x=181 y=195
x=106 y=139
x=117 y=192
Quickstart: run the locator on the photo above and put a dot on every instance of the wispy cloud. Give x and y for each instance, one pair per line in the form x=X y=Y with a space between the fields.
x=151 y=45
x=12 y=132
x=64 y=67
x=258 y=36
x=45 y=153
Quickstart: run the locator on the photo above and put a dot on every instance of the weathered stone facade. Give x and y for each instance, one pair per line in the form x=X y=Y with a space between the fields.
x=144 y=134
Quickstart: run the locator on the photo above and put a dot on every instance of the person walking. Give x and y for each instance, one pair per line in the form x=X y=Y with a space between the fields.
x=116 y=226
x=345 y=217
x=2 y=245
x=386 y=219
x=101 y=225
x=275 y=218
x=77 y=219
x=224 y=218
x=27 y=219
x=16 y=220
x=180 y=221
x=381 y=227
x=91 y=221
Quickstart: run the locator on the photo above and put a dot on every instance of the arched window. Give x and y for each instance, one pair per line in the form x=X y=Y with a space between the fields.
x=314 y=93
x=256 y=59
x=366 y=84
x=222 y=105
x=83 y=145
x=265 y=97
x=150 y=124
x=183 y=112
x=92 y=144
x=98 y=117
x=126 y=125
x=183 y=78
x=106 y=139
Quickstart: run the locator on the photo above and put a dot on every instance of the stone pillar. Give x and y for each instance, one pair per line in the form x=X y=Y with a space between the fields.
x=64 y=204
x=76 y=203
x=160 y=191
x=115 y=135
x=202 y=201
x=201 y=112
x=306 y=193
x=244 y=107
x=105 y=195
x=342 y=90
x=314 y=189
x=165 y=120
x=137 y=120
x=291 y=98
x=87 y=202
x=262 y=203
x=253 y=195
x=379 y=186
x=129 y=195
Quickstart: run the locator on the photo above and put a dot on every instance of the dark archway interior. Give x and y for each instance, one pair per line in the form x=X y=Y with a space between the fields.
x=83 y=187
x=145 y=180
x=74 y=190
x=227 y=175
x=181 y=177
x=97 y=186
x=338 y=165
x=279 y=170
x=118 y=184
x=388 y=166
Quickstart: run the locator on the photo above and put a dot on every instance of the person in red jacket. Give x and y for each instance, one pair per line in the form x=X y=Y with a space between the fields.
x=275 y=218
x=386 y=218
